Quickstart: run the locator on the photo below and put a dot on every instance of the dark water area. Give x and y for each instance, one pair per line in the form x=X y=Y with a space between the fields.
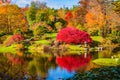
x=42 y=66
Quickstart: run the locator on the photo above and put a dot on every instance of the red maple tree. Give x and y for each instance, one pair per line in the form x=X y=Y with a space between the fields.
x=72 y=35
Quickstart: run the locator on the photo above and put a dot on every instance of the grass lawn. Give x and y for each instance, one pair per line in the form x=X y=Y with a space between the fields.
x=11 y=49
x=106 y=62
x=74 y=48
x=52 y=36
x=97 y=38
x=44 y=42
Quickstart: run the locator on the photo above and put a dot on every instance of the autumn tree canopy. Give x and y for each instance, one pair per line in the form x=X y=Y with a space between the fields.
x=79 y=13
x=94 y=17
x=117 y=6
x=100 y=16
x=72 y=35
x=11 y=19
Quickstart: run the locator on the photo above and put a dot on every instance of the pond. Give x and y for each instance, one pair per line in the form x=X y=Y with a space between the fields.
x=47 y=66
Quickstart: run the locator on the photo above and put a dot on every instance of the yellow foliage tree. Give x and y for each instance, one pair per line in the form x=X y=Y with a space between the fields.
x=61 y=13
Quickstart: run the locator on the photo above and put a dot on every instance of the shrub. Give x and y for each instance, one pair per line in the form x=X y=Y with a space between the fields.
x=94 y=32
x=95 y=43
x=2 y=33
x=28 y=34
x=58 y=26
x=13 y=39
x=39 y=31
x=3 y=38
x=17 y=31
x=116 y=33
x=72 y=35
x=79 y=26
x=115 y=37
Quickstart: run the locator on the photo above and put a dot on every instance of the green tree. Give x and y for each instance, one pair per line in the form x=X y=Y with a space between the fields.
x=31 y=14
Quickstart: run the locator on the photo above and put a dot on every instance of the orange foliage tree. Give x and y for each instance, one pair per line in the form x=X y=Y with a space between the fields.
x=12 y=18
x=100 y=16
x=94 y=18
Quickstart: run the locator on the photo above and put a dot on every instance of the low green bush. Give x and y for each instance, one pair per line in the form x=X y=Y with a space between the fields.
x=115 y=39
x=95 y=43
x=28 y=34
x=116 y=49
x=94 y=33
x=2 y=33
x=39 y=31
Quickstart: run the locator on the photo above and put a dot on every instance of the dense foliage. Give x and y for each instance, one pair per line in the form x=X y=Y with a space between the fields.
x=73 y=35
x=117 y=6
x=105 y=73
x=39 y=31
x=12 y=18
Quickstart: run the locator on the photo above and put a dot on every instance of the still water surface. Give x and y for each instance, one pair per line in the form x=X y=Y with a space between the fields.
x=39 y=66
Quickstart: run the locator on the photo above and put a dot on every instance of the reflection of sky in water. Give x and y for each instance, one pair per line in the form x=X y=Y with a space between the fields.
x=58 y=73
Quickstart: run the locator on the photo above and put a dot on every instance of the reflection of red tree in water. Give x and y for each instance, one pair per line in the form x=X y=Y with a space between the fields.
x=15 y=59
x=72 y=62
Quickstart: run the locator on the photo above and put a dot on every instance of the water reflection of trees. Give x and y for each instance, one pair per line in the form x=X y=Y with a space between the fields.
x=11 y=67
x=40 y=65
x=16 y=67
x=37 y=65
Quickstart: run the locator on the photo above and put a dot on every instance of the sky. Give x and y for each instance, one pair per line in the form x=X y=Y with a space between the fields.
x=50 y=3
